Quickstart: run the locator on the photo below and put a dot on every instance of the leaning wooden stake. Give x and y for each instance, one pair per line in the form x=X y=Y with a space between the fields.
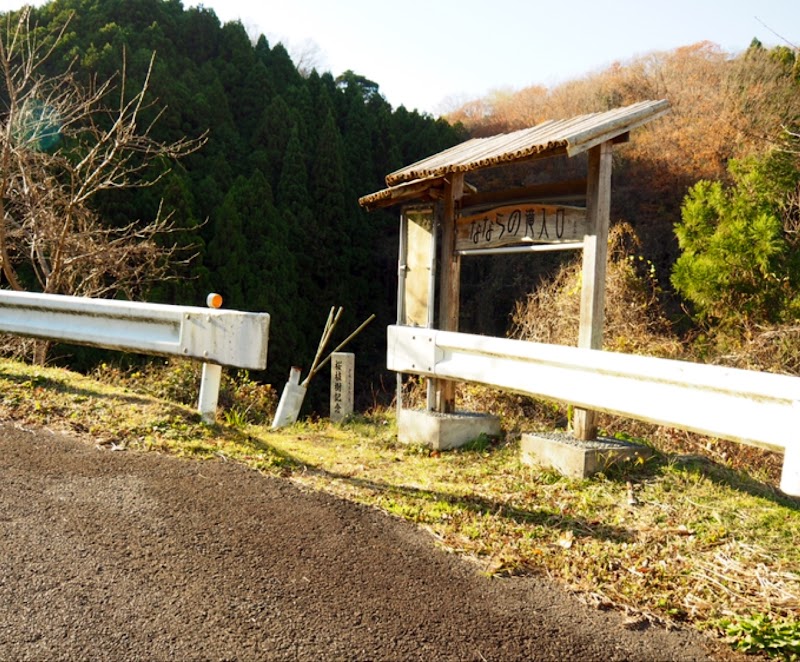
x=294 y=391
x=338 y=347
x=291 y=400
x=333 y=318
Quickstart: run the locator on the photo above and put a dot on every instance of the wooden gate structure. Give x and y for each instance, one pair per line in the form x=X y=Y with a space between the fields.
x=444 y=219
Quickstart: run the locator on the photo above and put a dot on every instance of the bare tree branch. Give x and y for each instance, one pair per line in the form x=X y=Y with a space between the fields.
x=61 y=144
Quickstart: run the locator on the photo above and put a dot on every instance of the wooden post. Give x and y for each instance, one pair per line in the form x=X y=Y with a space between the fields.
x=449 y=283
x=402 y=268
x=595 y=254
x=416 y=277
x=430 y=391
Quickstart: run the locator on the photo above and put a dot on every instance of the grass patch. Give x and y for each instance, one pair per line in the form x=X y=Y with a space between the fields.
x=677 y=538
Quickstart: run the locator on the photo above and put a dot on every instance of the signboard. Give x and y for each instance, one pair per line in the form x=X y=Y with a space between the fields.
x=418 y=267
x=519 y=224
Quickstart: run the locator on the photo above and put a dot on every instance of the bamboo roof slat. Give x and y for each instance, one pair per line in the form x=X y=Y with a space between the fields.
x=572 y=136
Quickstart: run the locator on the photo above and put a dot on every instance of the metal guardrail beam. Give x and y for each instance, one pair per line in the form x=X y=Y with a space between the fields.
x=745 y=406
x=215 y=337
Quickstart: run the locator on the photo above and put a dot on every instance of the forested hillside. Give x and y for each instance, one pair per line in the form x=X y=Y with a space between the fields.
x=727 y=254
x=268 y=206
x=266 y=210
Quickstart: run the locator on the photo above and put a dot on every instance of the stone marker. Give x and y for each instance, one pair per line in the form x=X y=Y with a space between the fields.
x=343 y=366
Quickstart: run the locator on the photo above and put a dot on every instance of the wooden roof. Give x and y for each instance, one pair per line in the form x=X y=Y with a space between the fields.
x=571 y=137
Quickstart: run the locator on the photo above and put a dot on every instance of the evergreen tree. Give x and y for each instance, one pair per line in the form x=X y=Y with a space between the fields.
x=356 y=126
x=245 y=79
x=736 y=265
x=282 y=72
x=228 y=254
x=271 y=137
x=252 y=264
x=319 y=143
x=329 y=239
x=192 y=283
x=200 y=34
x=296 y=215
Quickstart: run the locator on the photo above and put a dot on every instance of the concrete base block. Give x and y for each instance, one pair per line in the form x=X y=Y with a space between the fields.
x=443 y=431
x=575 y=458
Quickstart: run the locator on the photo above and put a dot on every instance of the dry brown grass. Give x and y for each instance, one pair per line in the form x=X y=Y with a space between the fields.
x=698 y=544
x=634 y=321
x=769 y=349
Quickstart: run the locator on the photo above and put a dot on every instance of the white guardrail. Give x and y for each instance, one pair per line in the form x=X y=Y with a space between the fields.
x=748 y=407
x=215 y=337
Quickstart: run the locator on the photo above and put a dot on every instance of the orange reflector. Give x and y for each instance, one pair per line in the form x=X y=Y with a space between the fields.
x=214 y=300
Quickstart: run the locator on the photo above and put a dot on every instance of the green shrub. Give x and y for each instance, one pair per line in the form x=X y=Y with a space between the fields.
x=739 y=263
x=761 y=633
x=178 y=381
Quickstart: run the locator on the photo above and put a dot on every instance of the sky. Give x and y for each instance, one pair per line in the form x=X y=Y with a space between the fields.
x=432 y=55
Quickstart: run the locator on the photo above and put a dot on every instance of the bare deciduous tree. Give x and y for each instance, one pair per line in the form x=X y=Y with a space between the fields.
x=61 y=144
x=307 y=57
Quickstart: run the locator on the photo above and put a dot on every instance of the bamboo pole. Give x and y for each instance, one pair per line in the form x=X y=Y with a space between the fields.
x=340 y=346
x=326 y=336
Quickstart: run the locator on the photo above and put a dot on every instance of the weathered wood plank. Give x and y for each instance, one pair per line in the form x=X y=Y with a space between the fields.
x=595 y=255
x=574 y=189
x=521 y=223
x=418 y=268
x=449 y=282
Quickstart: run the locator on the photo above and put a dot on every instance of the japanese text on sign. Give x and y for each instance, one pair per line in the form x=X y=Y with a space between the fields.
x=342 y=375
x=524 y=223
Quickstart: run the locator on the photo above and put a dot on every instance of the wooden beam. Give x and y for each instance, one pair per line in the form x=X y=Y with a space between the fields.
x=572 y=189
x=595 y=255
x=449 y=282
x=416 y=191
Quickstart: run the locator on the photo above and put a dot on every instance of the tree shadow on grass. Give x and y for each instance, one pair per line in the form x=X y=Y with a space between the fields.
x=421 y=498
x=652 y=461
x=699 y=465
x=721 y=475
x=68 y=387
x=544 y=517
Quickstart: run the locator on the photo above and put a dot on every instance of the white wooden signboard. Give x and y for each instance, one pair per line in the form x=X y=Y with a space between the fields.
x=418 y=268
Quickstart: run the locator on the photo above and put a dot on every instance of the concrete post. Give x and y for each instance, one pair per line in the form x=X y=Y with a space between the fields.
x=790 y=475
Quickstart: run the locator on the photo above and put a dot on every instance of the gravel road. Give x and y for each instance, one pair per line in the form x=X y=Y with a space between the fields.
x=140 y=556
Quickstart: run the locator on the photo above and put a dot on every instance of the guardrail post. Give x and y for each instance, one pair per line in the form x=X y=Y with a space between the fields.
x=790 y=474
x=209 y=392
x=211 y=378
